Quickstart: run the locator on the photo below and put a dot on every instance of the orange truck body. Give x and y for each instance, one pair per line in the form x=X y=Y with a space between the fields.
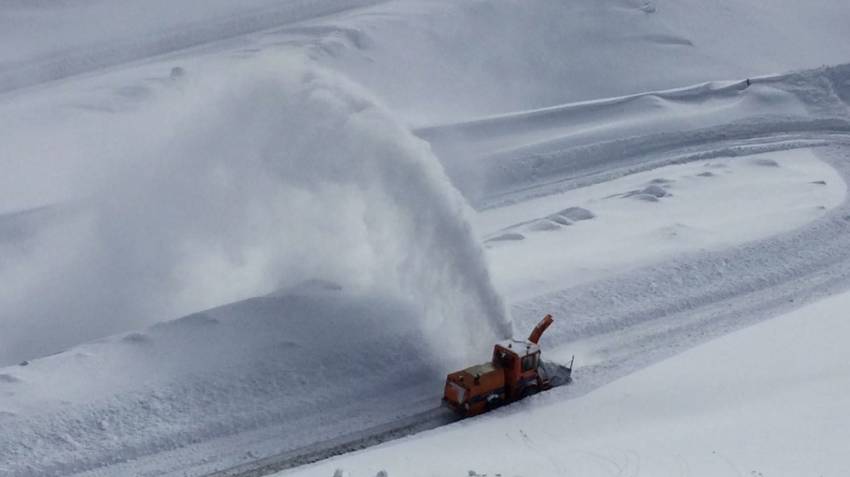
x=512 y=373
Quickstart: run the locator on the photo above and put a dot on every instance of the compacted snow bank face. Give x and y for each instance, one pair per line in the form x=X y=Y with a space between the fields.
x=561 y=240
x=767 y=400
x=228 y=186
x=269 y=362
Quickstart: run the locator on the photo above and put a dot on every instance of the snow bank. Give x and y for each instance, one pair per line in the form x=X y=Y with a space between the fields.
x=767 y=400
x=498 y=159
x=237 y=184
x=266 y=365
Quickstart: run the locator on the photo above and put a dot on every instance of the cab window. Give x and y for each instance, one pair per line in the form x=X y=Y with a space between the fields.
x=529 y=362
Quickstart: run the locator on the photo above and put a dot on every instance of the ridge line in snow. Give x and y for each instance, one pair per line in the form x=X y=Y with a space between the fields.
x=705 y=89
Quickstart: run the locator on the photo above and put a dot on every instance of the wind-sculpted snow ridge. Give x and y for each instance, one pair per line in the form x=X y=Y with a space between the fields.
x=500 y=159
x=241 y=184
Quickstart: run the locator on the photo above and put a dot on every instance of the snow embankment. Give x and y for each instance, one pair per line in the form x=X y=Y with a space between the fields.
x=767 y=400
x=305 y=362
x=507 y=158
x=561 y=240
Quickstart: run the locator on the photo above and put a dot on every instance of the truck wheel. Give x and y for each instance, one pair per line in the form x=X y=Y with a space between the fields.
x=529 y=391
x=493 y=402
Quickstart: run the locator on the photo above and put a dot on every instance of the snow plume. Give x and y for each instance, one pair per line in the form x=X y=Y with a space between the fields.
x=244 y=182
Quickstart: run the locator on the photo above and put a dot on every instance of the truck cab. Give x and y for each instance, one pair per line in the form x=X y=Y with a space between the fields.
x=513 y=373
x=520 y=362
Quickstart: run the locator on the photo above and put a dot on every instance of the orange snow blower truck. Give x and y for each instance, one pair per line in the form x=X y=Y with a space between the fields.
x=515 y=372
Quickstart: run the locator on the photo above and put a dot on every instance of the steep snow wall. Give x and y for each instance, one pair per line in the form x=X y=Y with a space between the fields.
x=238 y=184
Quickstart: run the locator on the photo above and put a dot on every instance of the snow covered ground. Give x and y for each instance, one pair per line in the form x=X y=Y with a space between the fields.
x=767 y=400
x=294 y=178
x=561 y=240
x=239 y=382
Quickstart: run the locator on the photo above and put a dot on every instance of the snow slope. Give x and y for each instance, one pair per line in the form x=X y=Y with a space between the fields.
x=266 y=362
x=436 y=61
x=181 y=158
x=561 y=240
x=547 y=150
x=444 y=60
x=767 y=400
x=242 y=382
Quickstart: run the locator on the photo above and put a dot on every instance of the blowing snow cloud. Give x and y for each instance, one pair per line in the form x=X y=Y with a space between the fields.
x=242 y=183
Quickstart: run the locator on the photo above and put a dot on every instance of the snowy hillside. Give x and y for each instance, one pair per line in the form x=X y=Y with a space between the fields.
x=241 y=237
